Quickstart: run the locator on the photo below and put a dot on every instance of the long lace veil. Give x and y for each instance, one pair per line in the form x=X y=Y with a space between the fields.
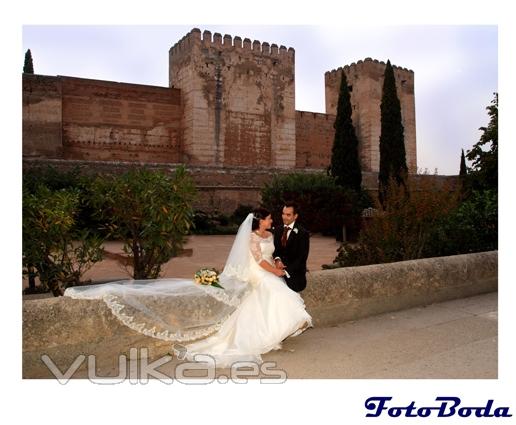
x=178 y=309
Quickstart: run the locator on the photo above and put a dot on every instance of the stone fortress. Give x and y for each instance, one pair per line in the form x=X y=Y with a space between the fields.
x=229 y=110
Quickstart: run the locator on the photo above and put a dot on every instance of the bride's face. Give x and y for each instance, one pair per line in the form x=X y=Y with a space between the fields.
x=266 y=223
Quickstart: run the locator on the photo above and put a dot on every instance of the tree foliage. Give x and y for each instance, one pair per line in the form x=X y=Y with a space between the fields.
x=393 y=164
x=484 y=154
x=28 y=67
x=323 y=205
x=149 y=211
x=345 y=162
x=55 y=249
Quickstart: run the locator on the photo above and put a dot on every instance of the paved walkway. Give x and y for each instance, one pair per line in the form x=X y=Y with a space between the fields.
x=451 y=340
x=455 y=339
x=209 y=251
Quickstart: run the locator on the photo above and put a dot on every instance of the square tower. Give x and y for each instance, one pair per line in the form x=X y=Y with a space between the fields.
x=365 y=81
x=238 y=100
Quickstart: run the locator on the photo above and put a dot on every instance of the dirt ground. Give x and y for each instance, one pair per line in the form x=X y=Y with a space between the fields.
x=207 y=251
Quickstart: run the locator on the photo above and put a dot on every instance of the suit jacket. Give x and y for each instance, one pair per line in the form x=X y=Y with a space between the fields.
x=293 y=255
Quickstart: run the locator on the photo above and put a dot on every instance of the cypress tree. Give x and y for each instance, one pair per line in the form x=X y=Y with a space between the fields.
x=463 y=169
x=28 y=67
x=345 y=164
x=463 y=175
x=393 y=163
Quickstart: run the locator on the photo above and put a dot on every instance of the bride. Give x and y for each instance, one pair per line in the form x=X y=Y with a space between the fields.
x=250 y=315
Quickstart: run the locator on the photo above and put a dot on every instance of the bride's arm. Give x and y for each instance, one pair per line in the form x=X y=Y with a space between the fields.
x=256 y=251
x=270 y=268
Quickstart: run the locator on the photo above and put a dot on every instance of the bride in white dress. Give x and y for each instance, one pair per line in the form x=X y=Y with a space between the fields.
x=268 y=314
x=252 y=315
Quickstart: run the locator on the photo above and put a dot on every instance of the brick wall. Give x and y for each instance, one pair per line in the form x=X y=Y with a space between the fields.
x=103 y=120
x=77 y=118
x=41 y=112
x=314 y=139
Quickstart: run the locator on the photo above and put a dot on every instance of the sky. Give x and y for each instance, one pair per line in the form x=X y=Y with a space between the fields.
x=455 y=67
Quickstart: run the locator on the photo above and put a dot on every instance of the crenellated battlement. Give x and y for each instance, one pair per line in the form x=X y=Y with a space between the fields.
x=239 y=95
x=365 y=81
x=208 y=40
x=363 y=65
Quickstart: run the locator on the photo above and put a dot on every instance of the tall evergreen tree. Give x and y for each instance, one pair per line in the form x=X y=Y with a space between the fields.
x=28 y=67
x=463 y=169
x=484 y=154
x=393 y=163
x=345 y=163
x=463 y=175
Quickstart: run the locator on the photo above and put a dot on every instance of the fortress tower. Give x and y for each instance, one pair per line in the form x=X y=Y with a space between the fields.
x=365 y=80
x=238 y=100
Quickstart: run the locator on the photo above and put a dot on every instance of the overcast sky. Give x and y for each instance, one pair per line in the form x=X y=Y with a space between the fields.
x=455 y=67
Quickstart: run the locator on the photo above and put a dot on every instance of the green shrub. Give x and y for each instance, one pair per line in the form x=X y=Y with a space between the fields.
x=149 y=211
x=213 y=223
x=54 y=248
x=323 y=206
x=55 y=179
x=472 y=227
x=404 y=230
x=240 y=213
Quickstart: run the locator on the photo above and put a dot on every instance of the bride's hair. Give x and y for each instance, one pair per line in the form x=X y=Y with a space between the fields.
x=259 y=214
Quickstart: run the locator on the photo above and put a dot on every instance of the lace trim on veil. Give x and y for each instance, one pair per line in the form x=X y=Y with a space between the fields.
x=179 y=336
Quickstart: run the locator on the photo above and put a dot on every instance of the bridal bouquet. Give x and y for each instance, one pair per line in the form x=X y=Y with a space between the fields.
x=206 y=276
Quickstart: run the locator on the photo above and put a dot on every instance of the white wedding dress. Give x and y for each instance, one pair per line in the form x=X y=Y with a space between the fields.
x=269 y=313
x=252 y=315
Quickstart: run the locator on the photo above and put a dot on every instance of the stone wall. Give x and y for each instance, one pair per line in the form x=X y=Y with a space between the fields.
x=231 y=102
x=42 y=116
x=314 y=139
x=365 y=80
x=78 y=118
x=238 y=100
x=219 y=188
x=224 y=188
x=63 y=328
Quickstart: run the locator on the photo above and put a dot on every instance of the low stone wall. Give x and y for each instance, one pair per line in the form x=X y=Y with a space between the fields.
x=64 y=328
x=338 y=295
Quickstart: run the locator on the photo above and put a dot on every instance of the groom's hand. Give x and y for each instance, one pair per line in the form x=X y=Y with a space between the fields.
x=279 y=264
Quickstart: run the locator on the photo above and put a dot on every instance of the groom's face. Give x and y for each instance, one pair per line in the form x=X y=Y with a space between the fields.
x=288 y=215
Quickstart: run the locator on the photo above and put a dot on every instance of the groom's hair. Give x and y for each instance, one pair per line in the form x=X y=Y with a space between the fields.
x=259 y=214
x=291 y=204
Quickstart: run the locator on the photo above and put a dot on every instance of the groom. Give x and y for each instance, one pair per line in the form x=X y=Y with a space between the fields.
x=291 y=244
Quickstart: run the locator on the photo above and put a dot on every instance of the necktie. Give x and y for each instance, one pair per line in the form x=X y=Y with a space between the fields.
x=284 y=236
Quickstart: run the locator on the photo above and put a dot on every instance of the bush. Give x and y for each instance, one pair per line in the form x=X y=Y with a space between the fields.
x=213 y=223
x=472 y=227
x=54 y=248
x=323 y=206
x=55 y=180
x=240 y=213
x=149 y=211
x=404 y=230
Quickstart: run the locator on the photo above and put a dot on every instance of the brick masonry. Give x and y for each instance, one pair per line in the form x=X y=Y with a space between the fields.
x=228 y=114
x=365 y=80
x=77 y=118
x=230 y=102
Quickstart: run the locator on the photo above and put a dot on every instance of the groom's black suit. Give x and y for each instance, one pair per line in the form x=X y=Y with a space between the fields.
x=293 y=255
